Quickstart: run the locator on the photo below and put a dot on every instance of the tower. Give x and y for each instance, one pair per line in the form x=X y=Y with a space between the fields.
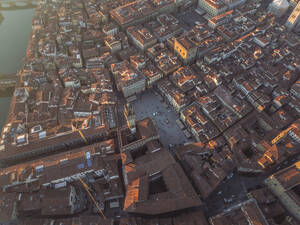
x=294 y=18
x=130 y=117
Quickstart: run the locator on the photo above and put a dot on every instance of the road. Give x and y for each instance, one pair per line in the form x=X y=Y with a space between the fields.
x=237 y=187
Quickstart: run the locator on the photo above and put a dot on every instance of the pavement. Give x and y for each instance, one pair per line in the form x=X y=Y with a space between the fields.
x=148 y=104
x=188 y=19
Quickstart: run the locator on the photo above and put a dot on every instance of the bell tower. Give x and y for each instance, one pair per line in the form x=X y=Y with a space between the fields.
x=130 y=117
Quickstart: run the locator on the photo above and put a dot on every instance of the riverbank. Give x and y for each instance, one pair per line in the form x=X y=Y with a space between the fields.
x=15 y=8
x=14 y=35
x=6 y=92
x=1 y=18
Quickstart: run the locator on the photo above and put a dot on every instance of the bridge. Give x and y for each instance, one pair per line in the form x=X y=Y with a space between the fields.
x=17 y=4
x=7 y=84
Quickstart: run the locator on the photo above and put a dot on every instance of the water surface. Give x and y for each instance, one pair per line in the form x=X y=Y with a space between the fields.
x=14 y=35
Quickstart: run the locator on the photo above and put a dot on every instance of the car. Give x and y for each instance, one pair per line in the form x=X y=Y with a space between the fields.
x=155 y=114
x=228 y=200
x=229 y=176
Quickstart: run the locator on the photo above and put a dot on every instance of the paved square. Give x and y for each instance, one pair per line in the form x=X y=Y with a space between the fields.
x=149 y=105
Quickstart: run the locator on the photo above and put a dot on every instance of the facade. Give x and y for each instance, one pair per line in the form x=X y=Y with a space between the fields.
x=212 y=7
x=140 y=11
x=220 y=19
x=174 y=95
x=128 y=81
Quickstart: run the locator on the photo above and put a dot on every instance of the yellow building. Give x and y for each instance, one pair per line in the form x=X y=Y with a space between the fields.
x=185 y=49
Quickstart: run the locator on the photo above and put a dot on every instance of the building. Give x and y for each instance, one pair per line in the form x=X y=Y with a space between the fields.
x=199 y=125
x=8 y=206
x=185 y=78
x=63 y=136
x=212 y=7
x=110 y=29
x=295 y=89
x=271 y=207
x=169 y=27
x=113 y=43
x=140 y=11
x=128 y=81
x=185 y=49
x=156 y=50
x=155 y=183
x=167 y=62
x=220 y=19
x=50 y=202
x=174 y=95
x=238 y=106
x=184 y=218
x=49 y=186
x=246 y=212
x=294 y=132
x=152 y=74
x=204 y=165
x=82 y=219
x=234 y=3
x=141 y=37
x=285 y=184
x=65 y=163
x=146 y=131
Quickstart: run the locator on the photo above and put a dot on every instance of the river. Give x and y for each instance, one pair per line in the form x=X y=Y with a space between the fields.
x=14 y=35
